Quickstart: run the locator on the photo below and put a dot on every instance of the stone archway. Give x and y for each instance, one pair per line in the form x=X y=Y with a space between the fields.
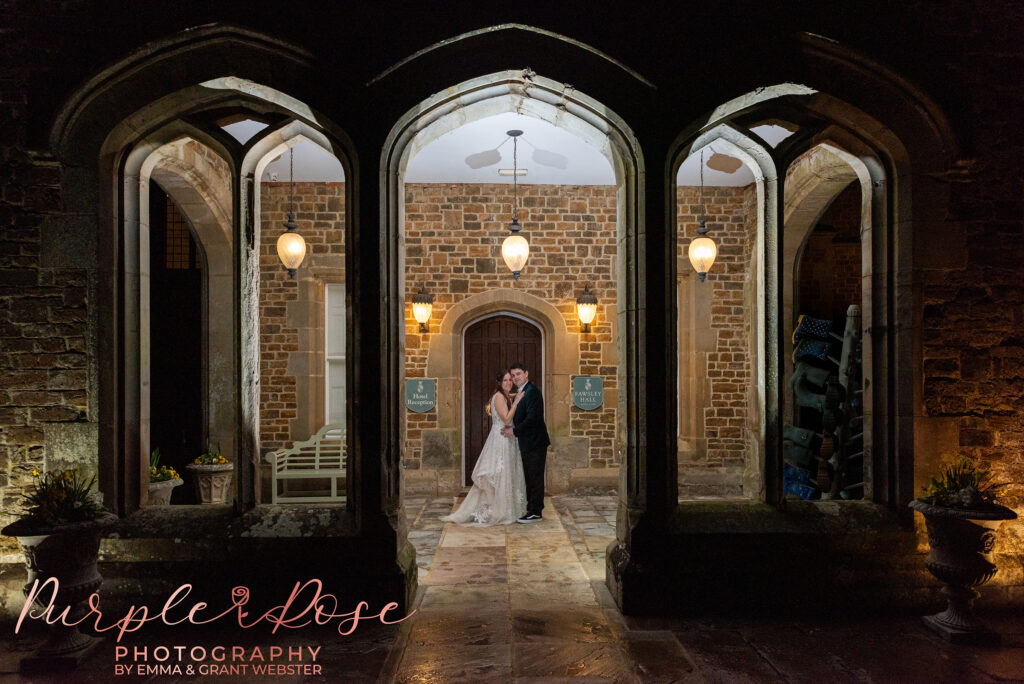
x=202 y=190
x=304 y=310
x=560 y=104
x=697 y=334
x=161 y=156
x=812 y=183
x=445 y=361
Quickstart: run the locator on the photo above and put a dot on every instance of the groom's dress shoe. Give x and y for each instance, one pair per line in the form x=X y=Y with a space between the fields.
x=529 y=518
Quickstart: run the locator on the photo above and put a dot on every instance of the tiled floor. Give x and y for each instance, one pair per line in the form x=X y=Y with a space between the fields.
x=515 y=602
x=528 y=603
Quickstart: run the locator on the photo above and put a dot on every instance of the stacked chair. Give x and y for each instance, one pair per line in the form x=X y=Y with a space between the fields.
x=824 y=453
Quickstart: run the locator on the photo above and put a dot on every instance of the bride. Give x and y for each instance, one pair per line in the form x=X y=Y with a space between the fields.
x=498 y=495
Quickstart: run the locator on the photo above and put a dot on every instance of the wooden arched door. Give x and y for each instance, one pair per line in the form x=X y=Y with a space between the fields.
x=490 y=345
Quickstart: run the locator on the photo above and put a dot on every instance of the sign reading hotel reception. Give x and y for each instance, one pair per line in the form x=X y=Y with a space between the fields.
x=587 y=392
x=420 y=394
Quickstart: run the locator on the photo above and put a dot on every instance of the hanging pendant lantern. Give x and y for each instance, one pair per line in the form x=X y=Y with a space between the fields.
x=291 y=247
x=515 y=250
x=702 y=250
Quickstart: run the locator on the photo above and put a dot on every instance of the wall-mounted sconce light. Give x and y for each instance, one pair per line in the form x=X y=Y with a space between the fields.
x=422 y=304
x=291 y=248
x=586 y=308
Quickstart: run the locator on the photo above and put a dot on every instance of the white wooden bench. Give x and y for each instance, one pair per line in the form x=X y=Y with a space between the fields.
x=320 y=457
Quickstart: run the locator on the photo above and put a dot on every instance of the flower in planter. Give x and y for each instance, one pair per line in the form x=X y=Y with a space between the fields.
x=160 y=473
x=963 y=484
x=211 y=457
x=62 y=496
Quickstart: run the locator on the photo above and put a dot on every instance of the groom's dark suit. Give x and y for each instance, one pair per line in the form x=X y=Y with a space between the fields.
x=532 y=433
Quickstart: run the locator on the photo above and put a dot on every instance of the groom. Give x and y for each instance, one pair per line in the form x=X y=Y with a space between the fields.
x=528 y=426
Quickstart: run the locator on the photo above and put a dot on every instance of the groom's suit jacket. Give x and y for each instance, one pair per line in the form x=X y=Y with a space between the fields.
x=528 y=422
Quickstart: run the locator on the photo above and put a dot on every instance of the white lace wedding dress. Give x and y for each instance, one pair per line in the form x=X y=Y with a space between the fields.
x=498 y=495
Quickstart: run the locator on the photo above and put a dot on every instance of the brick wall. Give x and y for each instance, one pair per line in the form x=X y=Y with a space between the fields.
x=453 y=236
x=830 y=262
x=731 y=217
x=320 y=213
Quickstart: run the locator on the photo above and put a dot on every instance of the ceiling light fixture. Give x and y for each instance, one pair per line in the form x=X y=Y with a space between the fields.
x=291 y=248
x=702 y=250
x=515 y=250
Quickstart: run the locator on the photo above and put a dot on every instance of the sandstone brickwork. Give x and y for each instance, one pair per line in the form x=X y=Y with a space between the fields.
x=453 y=236
x=723 y=446
x=320 y=213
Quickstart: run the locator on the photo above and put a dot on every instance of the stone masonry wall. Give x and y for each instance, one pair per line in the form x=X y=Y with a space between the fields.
x=44 y=335
x=830 y=262
x=284 y=322
x=972 y=303
x=716 y=466
x=453 y=236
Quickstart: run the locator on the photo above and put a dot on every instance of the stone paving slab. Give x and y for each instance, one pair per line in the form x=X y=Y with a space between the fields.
x=529 y=603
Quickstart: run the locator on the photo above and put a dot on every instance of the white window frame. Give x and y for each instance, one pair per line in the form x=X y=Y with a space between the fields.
x=338 y=291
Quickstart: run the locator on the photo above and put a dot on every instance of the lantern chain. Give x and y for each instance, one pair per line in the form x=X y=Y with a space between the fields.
x=291 y=181
x=515 y=178
x=703 y=228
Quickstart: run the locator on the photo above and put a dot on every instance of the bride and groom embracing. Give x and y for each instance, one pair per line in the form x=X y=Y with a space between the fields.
x=508 y=480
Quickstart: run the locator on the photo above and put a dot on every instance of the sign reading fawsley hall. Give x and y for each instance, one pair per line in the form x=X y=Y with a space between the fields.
x=420 y=394
x=587 y=392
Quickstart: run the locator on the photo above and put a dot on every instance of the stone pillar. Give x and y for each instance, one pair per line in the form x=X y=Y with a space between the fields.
x=637 y=566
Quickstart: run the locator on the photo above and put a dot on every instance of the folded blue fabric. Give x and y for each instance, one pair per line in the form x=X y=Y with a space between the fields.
x=818 y=349
x=806 y=326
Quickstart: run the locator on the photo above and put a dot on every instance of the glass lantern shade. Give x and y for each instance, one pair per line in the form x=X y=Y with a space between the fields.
x=586 y=308
x=515 y=250
x=291 y=249
x=586 y=312
x=421 y=311
x=422 y=305
x=702 y=253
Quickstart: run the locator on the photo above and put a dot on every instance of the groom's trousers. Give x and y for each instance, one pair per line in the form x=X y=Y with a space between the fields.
x=534 y=462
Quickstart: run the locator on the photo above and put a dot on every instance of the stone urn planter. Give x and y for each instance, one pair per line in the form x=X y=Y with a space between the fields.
x=67 y=552
x=212 y=482
x=160 y=492
x=960 y=544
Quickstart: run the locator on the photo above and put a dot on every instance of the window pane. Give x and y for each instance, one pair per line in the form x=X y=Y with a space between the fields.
x=335 y=346
x=335 y=391
x=335 y=320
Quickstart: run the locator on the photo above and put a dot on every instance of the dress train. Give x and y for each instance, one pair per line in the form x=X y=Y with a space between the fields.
x=498 y=494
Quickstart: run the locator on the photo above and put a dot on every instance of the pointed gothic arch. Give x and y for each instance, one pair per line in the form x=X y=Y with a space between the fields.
x=534 y=95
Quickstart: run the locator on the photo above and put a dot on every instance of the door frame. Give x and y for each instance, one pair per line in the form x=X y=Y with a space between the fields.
x=462 y=371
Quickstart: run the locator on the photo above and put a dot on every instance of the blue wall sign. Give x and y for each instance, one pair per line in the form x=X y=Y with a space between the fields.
x=587 y=392
x=420 y=394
